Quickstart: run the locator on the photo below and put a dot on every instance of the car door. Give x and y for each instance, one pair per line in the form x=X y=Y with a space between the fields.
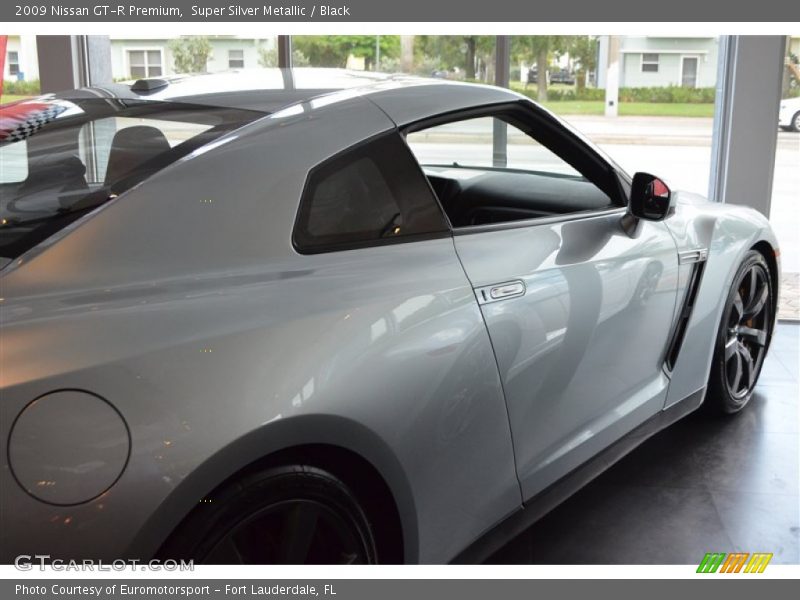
x=578 y=307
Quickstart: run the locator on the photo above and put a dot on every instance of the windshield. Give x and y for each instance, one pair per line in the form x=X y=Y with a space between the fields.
x=60 y=159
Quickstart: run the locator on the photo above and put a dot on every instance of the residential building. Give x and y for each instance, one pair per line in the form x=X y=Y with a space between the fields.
x=22 y=62
x=656 y=61
x=152 y=56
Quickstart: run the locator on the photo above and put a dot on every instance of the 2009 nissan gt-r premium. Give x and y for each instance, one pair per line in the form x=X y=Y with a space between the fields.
x=298 y=316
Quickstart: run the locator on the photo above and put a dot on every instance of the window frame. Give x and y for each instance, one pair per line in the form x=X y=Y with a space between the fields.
x=13 y=65
x=656 y=62
x=147 y=63
x=527 y=112
x=304 y=205
x=241 y=60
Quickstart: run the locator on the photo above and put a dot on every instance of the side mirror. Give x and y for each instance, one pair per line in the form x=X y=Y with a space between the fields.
x=650 y=197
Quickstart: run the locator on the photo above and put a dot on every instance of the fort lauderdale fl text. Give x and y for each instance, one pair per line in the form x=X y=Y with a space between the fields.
x=231 y=10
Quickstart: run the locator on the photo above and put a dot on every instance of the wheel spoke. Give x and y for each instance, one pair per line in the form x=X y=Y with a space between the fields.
x=748 y=367
x=730 y=348
x=760 y=299
x=737 y=375
x=752 y=284
x=738 y=306
x=754 y=336
x=299 y=529
x=225 y=553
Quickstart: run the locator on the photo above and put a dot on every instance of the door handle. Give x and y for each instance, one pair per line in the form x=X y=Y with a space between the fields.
x=500 y=291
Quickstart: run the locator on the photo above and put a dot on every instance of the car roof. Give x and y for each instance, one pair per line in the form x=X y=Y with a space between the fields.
x=271 y=89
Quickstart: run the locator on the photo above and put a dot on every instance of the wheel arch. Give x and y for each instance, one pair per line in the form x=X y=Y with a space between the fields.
x=768 y=251
x=346 y=448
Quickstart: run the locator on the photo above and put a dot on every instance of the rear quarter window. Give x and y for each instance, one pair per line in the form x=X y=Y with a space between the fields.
x=369 y=195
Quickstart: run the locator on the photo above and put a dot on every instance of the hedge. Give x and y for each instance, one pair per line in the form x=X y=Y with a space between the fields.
x=21 y=88
x=670 y=95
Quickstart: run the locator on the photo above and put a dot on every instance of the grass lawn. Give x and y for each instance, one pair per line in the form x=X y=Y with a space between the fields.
x=632 y=109
x=7 y=98
x=576 y=107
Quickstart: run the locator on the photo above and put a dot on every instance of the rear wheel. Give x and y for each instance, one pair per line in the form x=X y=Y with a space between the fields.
x=743 y=337
x=283 y=515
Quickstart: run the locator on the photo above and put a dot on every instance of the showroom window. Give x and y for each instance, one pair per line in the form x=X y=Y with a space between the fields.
x=236 y=59
x=145 y=63
x=487 y=170
x=649 y=63
x=13 y=63
x=369 y=195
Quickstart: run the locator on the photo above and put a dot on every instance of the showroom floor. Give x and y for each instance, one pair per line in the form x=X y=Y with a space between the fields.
x=702 y=485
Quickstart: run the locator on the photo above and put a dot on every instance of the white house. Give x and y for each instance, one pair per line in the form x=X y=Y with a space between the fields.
x=150 y=56
x=22 y=62
x=656 y=61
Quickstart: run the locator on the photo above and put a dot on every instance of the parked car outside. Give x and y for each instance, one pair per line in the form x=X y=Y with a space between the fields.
x=789 y=115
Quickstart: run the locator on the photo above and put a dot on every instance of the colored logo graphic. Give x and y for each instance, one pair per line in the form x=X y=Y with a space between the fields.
x=737 y=562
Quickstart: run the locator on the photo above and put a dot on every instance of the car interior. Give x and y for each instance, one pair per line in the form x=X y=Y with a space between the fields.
x=497 y=196
x=538 y=174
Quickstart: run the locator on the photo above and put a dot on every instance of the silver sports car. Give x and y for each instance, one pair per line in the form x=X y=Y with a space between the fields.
x=310 y=316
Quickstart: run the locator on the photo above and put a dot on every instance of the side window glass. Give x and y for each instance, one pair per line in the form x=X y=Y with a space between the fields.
x=369 y=195
x=487 y=170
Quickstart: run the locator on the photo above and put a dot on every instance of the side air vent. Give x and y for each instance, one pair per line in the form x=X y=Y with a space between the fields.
x=686 y=311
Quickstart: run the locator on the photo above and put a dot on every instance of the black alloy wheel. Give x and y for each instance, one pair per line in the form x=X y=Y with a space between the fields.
x=284 y=515
x=743 y=337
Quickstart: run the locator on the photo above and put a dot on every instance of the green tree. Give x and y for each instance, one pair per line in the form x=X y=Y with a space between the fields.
x=190 y=54
x=268 y=57
x=583 y=50
x=333 y=50
x=447 y=52
x=538 y=49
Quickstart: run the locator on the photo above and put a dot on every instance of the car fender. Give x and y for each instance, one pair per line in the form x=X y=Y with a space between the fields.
x=264 y=441
x=727 y=233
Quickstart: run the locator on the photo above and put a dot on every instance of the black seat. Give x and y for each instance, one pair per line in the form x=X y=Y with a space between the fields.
x=132 y=147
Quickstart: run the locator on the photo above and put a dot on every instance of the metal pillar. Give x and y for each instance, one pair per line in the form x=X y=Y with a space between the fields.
x=285 y=51
x=502 y=72
x=73 y=61
x=59 y=64
x=612 y=77
x=745 y=121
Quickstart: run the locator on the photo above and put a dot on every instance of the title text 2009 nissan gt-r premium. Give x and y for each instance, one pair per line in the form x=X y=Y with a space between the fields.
x=310 y=316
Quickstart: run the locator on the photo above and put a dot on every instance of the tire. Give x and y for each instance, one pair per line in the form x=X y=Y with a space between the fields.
x=283 y=515
x=795 y=123
x=743 y=337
